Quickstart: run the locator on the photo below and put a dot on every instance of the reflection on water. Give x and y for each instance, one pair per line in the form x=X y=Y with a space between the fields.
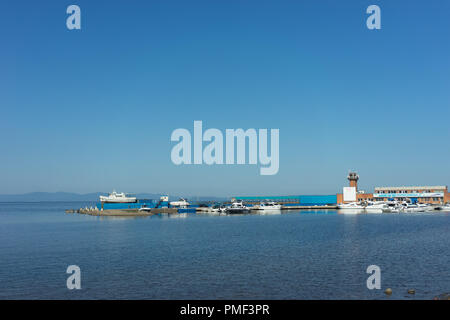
x=176 y=215
x=251 y=212
x=267 y=212
x=350 y=211
x=121 y=218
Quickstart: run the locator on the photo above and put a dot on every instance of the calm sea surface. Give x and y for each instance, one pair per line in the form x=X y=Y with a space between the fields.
x=294 y=255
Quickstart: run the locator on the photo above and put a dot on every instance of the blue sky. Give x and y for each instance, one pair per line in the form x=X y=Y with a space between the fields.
x=93 y=109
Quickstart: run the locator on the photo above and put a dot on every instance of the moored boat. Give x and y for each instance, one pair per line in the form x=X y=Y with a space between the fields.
x=351 y=208
x=351 y=205
x=424 y=207
x=268 y=205
x=375 y=207
x=444 y=208
x=237 y=207
x=217 y=208
x=408 y=207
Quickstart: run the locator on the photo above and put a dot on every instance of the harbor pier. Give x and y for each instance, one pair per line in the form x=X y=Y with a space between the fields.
x=122 y=212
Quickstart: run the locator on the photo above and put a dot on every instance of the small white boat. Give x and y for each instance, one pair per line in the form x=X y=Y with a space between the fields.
x=216 y=208
x=392 y=206
x=445 y=207
x=182 y=203
x=351 y=206
x=425 y=207
x=115 y=197
x=375 y=207
x=268 y=205
x=237 y=207
x=410 y=207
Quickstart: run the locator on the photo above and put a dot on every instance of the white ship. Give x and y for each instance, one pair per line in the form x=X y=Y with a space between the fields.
x=217 y=208
x=444 y=207
x=375 y=207
x=182 y=203
x=417 y=207
x=407 y=207
x=237 y=207
x=115 y=197
x=351 y=208
x=268 y=205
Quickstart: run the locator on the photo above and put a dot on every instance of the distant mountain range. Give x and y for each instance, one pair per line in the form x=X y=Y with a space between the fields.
x=68 y=196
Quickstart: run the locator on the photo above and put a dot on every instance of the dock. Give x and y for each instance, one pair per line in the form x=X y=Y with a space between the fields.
x=123 y=212
x=318 y=207
x=153 y=211
x=321 y=207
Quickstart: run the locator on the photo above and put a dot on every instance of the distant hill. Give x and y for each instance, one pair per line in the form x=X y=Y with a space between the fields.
x=62 y=196
x=68 y=196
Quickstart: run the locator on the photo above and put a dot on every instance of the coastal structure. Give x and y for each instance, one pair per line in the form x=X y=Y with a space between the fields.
x=423 y=194
x=351 y=193
x=291 y=201
x=120 y=204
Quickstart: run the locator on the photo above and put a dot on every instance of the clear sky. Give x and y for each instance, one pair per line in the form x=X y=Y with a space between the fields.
x=93 y=109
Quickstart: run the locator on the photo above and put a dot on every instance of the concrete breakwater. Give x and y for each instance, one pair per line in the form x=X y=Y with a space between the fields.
x=122 y=212
x=135 y=212
x=327 y=207
x=318 y=207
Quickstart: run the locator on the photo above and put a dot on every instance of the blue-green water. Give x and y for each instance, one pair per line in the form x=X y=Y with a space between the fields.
x=294 y=255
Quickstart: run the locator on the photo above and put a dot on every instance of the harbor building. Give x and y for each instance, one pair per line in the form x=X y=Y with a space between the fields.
x=351 y=193
x=295 y=200
x=422 y=194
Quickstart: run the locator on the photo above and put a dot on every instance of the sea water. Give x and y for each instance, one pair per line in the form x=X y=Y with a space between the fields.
x=293 y=255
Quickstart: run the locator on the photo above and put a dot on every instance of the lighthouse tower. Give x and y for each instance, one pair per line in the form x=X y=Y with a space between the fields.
x=353 y=178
